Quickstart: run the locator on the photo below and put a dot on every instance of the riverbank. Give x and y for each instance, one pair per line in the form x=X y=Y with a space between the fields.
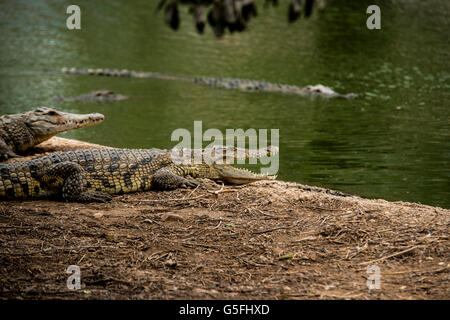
x=266 y=240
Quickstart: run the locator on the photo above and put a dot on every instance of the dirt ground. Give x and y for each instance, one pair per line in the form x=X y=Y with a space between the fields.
x=266 y=240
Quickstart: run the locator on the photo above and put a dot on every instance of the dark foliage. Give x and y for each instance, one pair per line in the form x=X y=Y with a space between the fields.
x=231 y=15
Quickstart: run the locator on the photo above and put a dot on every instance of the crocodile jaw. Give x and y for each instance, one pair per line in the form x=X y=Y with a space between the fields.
x=234 y=175
x=46 y=122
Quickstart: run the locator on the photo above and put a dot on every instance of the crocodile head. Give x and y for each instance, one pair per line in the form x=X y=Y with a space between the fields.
x=227 y=173
x=216 y=163
x=45 y=122
x=105 y=94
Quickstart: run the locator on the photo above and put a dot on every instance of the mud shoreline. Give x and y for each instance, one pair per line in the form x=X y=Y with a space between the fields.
x=266 y=240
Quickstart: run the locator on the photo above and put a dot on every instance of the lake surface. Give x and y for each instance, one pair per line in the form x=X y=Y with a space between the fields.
x=392 y=142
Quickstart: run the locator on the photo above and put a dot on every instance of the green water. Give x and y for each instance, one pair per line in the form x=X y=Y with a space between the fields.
x=391 y=143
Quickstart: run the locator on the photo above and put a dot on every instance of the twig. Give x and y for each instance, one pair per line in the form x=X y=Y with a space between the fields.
x=340 y=296
x=418 y=271
x=72 y=248
x=153 y=221
x=157 y=256
x=319 y=208
x=79 y=261
x=196 y=244
x=16 y=227
x=220 y=222
x=190 y=194
x=266 y=214
x=270 y=230
x=163 y=200
x=216 y=192
x=390 y=256
x=306 y=238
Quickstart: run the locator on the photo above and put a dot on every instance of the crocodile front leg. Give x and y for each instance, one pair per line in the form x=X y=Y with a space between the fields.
x=6 y=152
x=68 y=179
x=166 y=179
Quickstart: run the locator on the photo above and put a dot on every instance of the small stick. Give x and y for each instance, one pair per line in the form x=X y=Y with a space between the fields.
x=306 y=238
x=79 y=261
x=190 y=194
x=266 y=214
x=220 y=222
x=270 y=230
x=15 y=227
x=319 y=208
x=217 y=191
x=197 y=244
x=226 y=190
x=390 y=256
x=419 y=271
x=162 y=200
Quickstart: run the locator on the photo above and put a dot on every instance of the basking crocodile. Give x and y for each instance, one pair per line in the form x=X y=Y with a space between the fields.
x=99 y=95
x=227 y=83
x=96 y=174
x=18 y=132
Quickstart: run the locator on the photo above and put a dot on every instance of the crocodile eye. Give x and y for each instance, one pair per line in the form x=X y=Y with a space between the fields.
x=52 y=113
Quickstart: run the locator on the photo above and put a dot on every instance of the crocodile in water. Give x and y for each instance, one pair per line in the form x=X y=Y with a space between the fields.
x=227 y=83
x=99 y=95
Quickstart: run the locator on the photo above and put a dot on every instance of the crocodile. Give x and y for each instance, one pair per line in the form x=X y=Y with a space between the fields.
x=226 y=83
x=94 y=175
x=98 y=95
x=19 y=132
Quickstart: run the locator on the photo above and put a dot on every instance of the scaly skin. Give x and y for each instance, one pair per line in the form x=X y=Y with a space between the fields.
x=226 y=83
x=96 y=174
x=18 y=132
x=99 y=95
